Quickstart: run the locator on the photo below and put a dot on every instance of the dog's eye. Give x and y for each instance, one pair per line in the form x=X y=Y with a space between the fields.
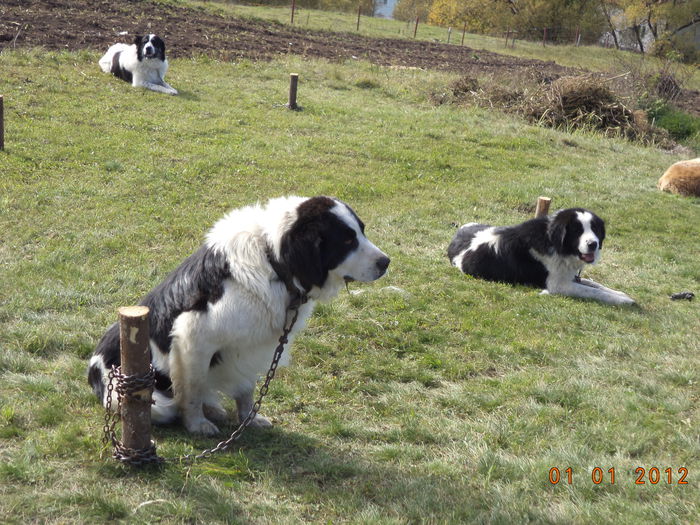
x=348 y=242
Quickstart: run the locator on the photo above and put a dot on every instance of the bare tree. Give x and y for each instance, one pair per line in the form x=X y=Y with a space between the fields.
x=604 y=5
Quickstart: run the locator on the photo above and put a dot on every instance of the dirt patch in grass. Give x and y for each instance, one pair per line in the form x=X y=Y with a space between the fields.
x=80 y=24
x=85 y=24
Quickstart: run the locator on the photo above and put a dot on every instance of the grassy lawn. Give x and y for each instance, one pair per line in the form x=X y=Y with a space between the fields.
x=424 y=397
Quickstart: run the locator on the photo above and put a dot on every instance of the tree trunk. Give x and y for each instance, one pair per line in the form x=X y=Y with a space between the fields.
x=652 y=27
x=636 y=28
x=612 y=26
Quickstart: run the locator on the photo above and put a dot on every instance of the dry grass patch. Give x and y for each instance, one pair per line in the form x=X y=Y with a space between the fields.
x=580 y=102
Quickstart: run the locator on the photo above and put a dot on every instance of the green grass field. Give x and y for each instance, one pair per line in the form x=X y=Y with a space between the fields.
x=424 y=397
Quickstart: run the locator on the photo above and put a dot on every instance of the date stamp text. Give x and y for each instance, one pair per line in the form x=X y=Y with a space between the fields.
x=642 y=476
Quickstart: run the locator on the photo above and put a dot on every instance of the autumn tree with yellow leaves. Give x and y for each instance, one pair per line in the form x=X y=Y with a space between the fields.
x=663 y=18
x=527 y=17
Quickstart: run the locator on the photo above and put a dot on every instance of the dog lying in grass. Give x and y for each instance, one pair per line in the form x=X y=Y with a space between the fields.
x=142 y=64
x=547 y=252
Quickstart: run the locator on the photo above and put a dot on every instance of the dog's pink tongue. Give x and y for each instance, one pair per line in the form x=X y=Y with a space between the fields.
x=587 y=257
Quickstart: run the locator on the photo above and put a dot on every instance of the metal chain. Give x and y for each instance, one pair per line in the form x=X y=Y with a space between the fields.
x=111 y=418
x=125 y=385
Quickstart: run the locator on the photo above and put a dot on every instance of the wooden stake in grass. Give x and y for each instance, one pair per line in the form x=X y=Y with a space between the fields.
x=2 y=123
x=135 y=361
x=415 y=30
x=293 y=81
x=542 y=207
x=359 y=10
x=464 y=30
x=294 y=5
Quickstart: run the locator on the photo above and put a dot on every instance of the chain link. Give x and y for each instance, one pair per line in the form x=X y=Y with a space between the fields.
x=126 y=385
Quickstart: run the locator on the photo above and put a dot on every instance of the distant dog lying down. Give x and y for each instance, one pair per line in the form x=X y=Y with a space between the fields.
x=547 y=252
x=142 y=64
x=682 y=178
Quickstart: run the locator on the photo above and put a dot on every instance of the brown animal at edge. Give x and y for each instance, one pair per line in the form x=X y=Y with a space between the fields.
x=682 y=178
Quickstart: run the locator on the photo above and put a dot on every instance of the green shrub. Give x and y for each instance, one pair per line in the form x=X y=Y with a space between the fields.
x=680 y=125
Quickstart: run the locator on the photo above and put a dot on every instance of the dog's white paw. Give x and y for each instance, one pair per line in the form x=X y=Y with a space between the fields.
x=216 y=413
x=626 y=299
x=202 y=426
x=260 y=422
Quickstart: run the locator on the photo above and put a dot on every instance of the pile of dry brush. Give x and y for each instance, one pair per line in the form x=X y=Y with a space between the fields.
x=571 y=102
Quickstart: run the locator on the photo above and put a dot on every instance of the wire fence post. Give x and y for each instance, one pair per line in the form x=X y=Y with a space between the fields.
x=135 y=361
x=449 y=34
x=542 y=207
x=293 y=81
x=544 y=37
x=294 y=5
x=464 y=30
x=2 y=123
x=359 y=10
x=415 y=30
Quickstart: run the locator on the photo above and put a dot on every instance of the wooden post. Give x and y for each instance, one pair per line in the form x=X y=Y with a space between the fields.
x=449 y=34
x=544 y=37
x=359 y=10
x=2 y=123
x=542 y=207
x=135 y=361
x=464 y=30
x=293 y=81
x=415 y=30
x=294 y=5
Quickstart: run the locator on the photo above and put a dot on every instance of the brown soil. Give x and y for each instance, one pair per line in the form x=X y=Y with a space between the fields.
x=96 y=24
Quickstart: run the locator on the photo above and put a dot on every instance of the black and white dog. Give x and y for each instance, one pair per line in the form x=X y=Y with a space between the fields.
x=215 y=321
x=547 y=252
x=142 y=64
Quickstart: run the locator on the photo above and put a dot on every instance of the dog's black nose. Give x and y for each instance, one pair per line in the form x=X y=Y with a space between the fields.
x=383 y=263
x=592 y=245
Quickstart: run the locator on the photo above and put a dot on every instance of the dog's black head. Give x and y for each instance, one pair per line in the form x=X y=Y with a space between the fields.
x=577 y=232
x=149 y=47
x=327 y=240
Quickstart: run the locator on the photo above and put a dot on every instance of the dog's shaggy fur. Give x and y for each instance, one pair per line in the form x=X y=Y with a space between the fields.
x=682 y=178
x=215 y=320
x=548 y=252
x=142 y=64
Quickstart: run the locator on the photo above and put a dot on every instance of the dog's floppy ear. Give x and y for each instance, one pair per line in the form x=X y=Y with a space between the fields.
x=137 y=39
x=557 y=230
x=301 y=255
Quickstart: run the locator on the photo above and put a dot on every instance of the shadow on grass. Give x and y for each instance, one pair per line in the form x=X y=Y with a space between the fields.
x=341 y=479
